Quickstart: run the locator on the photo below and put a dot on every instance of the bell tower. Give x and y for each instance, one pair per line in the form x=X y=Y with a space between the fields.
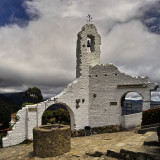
x=88 y=49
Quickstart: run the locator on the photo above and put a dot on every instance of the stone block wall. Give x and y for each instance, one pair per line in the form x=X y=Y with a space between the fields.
x=31 y=116
x=105 y=95
x=97 y=130
x=18 y=133
x=132 y=120
x=51 y=141
x=84 y=59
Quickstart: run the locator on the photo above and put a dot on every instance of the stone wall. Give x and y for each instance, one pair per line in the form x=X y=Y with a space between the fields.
x=105 y=95
x=31 y=115
x=51 y=141
x=132 y=120
x=18 y=133
x=97 y=130
x=84 y=59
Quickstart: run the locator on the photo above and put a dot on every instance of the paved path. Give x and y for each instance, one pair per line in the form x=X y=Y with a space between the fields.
x=80 y=145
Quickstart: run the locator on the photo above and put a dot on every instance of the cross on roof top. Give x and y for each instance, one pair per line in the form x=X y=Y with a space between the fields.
x=89 y=18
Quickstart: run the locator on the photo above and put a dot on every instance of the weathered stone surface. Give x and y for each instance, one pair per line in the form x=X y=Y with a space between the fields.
x=78 y=133
x=131 y=155
x=80 y=145
x=51 y=141
x=97 y=130
x=106 y=129
x=95 y=153
x=158 y=133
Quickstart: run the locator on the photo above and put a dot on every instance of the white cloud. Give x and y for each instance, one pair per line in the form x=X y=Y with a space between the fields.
x=44 y=52
x=133 y=96
x=132 y=47
x=155 y=96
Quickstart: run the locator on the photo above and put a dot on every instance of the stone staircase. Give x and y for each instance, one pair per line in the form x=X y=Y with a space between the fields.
x=138 y=147
x=146 y=128
x=131 y=155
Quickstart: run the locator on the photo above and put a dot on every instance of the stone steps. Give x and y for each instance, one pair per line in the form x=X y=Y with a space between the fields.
x=151 y=125
x=130 y=155
x=136 y=148
x=134 y=140
x=144 y=130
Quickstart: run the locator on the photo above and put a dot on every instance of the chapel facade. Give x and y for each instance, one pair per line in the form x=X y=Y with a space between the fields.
x=93 y=98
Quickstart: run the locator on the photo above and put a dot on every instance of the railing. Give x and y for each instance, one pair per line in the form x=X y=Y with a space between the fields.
x=3 y=130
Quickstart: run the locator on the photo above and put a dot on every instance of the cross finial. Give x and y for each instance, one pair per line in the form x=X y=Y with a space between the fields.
x=89 y=18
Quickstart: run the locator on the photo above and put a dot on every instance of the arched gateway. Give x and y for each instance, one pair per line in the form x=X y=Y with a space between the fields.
x=60 y=106
x=131 y=102
x=93 y=98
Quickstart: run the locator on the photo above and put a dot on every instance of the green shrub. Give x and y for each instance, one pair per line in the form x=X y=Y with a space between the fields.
x=64 y=116
x=151 y=116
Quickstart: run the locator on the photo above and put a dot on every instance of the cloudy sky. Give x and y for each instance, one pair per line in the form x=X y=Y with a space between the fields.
x=38 y=40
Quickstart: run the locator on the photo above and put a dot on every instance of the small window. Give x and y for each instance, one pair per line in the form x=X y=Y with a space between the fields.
x=96 y=75
x=94 y=95
x=113 y=103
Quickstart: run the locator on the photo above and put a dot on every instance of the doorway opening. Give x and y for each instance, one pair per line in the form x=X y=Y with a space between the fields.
x=57 y=113
x=131 y=103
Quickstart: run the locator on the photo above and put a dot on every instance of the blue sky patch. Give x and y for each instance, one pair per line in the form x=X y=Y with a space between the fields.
x=14 y=12
x=151 y=18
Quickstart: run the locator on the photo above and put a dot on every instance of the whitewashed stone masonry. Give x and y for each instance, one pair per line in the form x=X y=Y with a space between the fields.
x=93 y=98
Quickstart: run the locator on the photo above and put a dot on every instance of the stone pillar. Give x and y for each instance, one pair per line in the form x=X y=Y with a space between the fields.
x=85 y=59
x=146 y=105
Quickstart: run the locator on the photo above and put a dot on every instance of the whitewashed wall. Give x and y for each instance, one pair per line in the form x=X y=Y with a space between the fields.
x=18 y=134
x=103 y=81
x=28 y=119
x=132 y=120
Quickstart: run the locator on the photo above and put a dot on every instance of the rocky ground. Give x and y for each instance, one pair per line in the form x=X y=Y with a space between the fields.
x=90 y=147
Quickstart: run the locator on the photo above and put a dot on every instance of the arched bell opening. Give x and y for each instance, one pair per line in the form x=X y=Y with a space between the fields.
x=131 y=103
x=90 y=43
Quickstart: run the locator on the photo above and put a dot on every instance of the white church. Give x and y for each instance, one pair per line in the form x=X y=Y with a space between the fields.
x=93 y=98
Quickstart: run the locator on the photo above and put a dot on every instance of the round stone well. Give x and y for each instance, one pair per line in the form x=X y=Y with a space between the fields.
x=51 y=140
